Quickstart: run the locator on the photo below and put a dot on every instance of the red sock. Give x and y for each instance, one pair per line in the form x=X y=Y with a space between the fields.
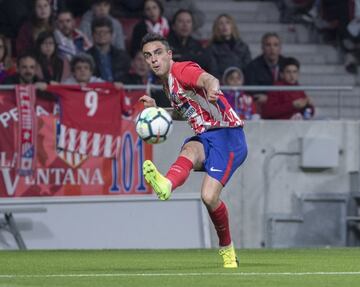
x=220 y=218
x=179 y=171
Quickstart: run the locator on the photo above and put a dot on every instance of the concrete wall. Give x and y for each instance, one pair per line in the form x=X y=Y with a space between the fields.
x=182 y=222
x=246 y=191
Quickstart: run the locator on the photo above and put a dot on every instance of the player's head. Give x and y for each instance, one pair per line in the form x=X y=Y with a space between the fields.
x=157 y=53
x=289 y=71
x=82 y=67
x=271 y=47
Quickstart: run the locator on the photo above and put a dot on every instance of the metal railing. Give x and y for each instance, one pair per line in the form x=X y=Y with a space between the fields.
x=339 y=90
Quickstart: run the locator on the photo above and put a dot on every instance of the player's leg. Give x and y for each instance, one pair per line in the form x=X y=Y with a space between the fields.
x=210 y=194
x=191 y=156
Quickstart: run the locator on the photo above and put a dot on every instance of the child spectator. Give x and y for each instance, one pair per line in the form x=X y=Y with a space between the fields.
x=288 y=104
x=82 y=71
x=51 y=67
x=242 y=103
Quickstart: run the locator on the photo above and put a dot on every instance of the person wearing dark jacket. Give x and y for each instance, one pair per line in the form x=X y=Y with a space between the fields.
x=265 y=69
x=182 y=44
x=288 y=104
x=226 y=47
x=111 y=64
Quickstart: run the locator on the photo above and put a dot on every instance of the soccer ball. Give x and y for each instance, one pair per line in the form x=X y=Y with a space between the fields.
x=154 y=125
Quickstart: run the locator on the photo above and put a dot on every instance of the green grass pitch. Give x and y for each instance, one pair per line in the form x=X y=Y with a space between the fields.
x=185 y=268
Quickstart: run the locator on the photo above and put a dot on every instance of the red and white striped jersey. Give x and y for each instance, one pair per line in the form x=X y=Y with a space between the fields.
x=90 y=118
x=192 y=102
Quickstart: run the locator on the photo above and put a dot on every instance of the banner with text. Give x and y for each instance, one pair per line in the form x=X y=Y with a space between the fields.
x=62 y=173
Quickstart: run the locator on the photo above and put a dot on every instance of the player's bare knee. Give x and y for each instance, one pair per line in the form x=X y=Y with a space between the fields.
x=210 y=199
x=189 y=152
x=193 y=150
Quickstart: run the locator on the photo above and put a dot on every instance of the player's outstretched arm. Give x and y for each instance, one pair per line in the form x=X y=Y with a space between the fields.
x=210 y=84
x=147 y=101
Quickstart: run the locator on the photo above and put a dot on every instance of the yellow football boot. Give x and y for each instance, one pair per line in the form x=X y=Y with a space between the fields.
x=229 y=256
x=160 y=184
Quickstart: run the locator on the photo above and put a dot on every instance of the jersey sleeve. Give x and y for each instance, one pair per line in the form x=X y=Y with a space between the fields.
x=187 y=73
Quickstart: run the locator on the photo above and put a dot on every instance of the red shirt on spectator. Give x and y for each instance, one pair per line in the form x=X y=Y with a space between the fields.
x=279 y=104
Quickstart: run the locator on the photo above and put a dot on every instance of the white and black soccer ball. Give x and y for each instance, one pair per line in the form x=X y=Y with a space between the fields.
x=154 y=125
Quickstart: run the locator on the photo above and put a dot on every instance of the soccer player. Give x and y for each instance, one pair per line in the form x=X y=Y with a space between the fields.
x=219 y=146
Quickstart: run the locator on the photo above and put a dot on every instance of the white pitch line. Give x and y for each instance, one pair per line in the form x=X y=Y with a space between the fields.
x=9 y=276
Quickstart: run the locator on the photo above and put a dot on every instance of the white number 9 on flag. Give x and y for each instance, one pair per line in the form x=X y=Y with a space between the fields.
x=91 y=102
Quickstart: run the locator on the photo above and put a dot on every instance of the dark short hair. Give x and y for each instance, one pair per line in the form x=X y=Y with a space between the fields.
x=101 y=22
x=27 y=54
x=180 y=11
x=152 y=37
x=64 y=11
x=289 y=62
x=82 y=58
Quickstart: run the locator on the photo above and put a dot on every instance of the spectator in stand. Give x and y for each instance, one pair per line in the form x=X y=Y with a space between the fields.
x=242 y=103
x=184 y=47
x=6 y=64
x=172 y=6
x=288 y=104
x=226 y=47
x=111 y=63
x=100 y=9
x=41 y=20
x=26 y=71
x=51 y=67
x=70 y=41
x=152 y=22
x=264 y=70
x=139 y=72
x=82 y=69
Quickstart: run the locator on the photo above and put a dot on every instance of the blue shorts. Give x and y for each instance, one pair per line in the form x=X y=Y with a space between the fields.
x=225 y=150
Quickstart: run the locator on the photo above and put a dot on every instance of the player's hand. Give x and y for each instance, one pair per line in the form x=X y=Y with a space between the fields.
x=147 y=101
x=213 y=95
